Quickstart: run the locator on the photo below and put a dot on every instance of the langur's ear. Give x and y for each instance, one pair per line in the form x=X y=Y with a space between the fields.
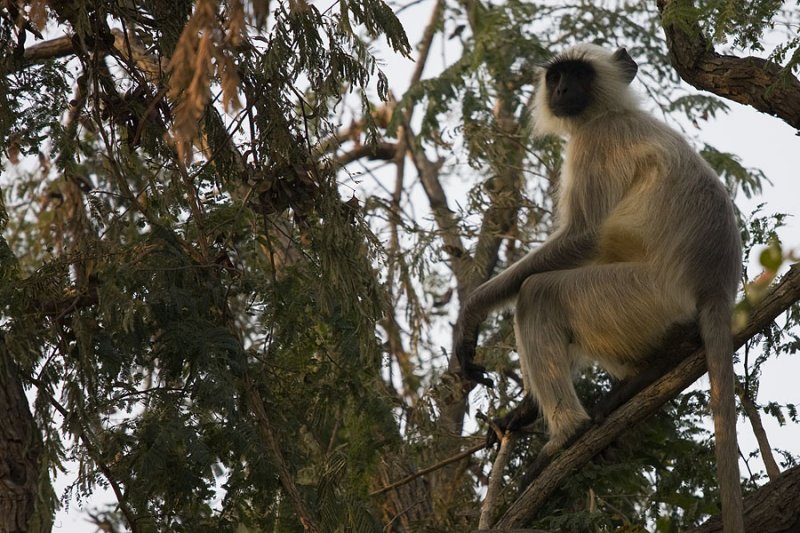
x=626 y=64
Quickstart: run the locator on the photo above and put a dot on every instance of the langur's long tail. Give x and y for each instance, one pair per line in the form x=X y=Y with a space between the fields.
x=715 y=329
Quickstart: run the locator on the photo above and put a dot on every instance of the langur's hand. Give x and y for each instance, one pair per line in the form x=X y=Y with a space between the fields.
x=476 y=373
x=464 y=345
x=497 y=428
x=522 y=415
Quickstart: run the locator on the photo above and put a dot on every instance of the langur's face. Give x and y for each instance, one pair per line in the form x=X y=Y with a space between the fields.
x=569 y=85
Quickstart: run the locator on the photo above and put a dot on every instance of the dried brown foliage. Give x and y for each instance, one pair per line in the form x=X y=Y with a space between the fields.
x=38 y=14
x=203 y=52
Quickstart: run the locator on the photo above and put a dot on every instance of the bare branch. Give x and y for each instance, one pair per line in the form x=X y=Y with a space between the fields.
x=37 y=53
x=489 y=506
x=381 y=151
x=50 y=49
x=770 y=509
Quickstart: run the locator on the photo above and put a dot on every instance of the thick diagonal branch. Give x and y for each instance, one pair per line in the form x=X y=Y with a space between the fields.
x=786 y=293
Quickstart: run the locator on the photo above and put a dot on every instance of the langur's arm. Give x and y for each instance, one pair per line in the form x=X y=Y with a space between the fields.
x=563 y=250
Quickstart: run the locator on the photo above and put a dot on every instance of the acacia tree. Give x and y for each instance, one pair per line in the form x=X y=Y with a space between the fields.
x=231 y=244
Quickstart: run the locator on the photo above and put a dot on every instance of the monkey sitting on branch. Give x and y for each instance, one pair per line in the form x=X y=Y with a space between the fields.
x=646 y=238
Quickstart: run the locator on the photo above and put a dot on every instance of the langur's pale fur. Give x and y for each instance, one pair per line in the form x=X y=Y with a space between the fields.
x=646 y=238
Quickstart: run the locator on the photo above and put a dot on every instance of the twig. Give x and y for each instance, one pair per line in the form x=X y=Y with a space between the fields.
x=428 y=470
x=751 y=411
x=496 y=479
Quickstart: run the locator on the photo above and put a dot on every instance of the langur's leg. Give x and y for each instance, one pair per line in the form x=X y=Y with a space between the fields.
x=614 y=312
x=546 y=360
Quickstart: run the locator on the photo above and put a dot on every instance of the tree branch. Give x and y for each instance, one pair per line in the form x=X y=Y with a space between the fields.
x=441 y=464
x=50 y=49
x=381 y=151
x=754 y=416
x=274 y=449
x=752 y=81
x=490 y=503
x=783 y=295
x=770 y=509
x=454 y=402
x=428 y=170
x=503 y=188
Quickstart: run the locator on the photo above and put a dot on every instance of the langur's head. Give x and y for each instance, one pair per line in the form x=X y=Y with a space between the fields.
x=580 y=84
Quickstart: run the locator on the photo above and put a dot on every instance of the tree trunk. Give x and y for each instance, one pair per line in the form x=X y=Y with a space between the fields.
x=20 y=450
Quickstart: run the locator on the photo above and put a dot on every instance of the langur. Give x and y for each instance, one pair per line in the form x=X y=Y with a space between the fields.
x=646 y=238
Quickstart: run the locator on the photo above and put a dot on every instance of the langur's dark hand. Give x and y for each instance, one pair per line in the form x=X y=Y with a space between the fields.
x=522 y=415
x=501 y=425
x=465 y=351
x=476 y=373
x=464 y=344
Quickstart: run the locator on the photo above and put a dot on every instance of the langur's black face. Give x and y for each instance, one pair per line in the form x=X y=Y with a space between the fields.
x=569 y=86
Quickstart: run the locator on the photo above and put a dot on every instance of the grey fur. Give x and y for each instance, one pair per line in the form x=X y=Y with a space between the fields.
x=646 y=237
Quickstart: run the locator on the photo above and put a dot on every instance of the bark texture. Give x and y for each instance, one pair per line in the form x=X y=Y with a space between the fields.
x=751 y=81
x=770 y=509
x=20 y=450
